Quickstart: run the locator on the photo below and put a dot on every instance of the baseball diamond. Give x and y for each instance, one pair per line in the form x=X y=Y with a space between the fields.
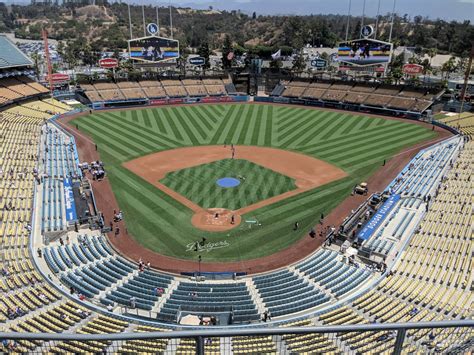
x=355 y=144
x=255 y=183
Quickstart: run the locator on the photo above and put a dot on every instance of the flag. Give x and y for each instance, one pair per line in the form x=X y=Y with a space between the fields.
x=230 y=56
x=276 y=55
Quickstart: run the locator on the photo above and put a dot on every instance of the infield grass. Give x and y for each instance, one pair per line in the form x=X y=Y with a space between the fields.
x=199 y=183
x=355 y=143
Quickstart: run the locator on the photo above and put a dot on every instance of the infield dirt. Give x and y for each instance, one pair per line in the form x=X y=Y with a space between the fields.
x=307 y=171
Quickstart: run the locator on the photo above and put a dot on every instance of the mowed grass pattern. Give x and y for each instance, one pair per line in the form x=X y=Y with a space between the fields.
x=356 y=143
x=199 y=183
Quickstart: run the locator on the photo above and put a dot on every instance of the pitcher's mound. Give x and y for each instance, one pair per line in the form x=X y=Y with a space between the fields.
x=215 y=219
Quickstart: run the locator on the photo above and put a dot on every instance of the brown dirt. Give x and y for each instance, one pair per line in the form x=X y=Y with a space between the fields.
x=206 y=219
x=129 y=247
x=307 y=171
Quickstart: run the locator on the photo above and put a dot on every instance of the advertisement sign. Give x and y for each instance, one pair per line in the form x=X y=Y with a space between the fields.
x=159 y=102
x=363 y=52
x=211 y=99
x=108 y=63
x=153 y=49
x=197 y=61
x=319 y=63
x=378 y=218
x=412 y=69
x=175 y=101
x=58 y=78
x=71 y=214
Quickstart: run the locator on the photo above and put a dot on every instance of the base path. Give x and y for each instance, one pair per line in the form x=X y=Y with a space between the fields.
x=308 y=173
x=129 y=247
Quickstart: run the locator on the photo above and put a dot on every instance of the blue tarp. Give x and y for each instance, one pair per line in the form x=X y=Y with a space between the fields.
x=378 y=218
x=71 y=214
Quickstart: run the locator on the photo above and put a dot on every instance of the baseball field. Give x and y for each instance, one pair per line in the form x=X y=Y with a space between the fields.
x=159 y=205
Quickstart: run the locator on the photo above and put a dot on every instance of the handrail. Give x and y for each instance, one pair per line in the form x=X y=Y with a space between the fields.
x=241 y=332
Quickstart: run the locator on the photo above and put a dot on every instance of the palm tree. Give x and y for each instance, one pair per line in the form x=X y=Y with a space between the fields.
x=448 y=67
x=37 y=61
x=432 y=53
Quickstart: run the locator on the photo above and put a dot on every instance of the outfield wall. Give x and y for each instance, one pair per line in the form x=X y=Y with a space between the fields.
x=340 y=106
x=168 y=101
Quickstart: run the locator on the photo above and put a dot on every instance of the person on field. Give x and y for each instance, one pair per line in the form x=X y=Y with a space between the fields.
x=296 y=226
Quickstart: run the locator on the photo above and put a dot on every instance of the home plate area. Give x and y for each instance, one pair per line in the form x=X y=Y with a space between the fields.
x=216 y=219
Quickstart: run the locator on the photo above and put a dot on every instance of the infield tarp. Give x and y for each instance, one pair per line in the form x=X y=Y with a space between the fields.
x=71 y=214
x=378 y=218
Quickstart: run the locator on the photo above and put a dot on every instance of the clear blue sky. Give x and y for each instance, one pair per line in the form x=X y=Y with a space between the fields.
x=445 y=9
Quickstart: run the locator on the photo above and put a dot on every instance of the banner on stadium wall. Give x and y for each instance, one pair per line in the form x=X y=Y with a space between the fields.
x=211 y=99
x=297 y=101
x=281 y=100
x=263 y=99
x=159 y=102
x=71 y=214
x=378 y=218
x=175 y=101
x=242 y=98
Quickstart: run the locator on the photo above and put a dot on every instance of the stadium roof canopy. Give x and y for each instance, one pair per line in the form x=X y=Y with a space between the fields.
x=11 y=56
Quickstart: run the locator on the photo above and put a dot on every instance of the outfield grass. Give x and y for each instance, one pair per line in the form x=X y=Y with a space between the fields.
x=257 y=183
x=358 y=144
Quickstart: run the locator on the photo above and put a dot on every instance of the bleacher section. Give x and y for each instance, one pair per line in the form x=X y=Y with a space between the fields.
x=152 y=89
x=414 y=184
x=19 y=88
x=383 y=96
x=24 y=291
x=60 y=166
x=433 y=278
x=463 y=122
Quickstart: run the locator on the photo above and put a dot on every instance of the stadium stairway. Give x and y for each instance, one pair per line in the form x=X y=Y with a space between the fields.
x=166 y=295
x=257 y=299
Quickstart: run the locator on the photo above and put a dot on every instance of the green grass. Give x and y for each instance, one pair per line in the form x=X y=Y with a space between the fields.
x=355 y=143
x=199 y=185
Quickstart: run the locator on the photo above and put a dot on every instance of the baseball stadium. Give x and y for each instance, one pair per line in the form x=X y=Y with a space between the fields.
x=182 y=215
